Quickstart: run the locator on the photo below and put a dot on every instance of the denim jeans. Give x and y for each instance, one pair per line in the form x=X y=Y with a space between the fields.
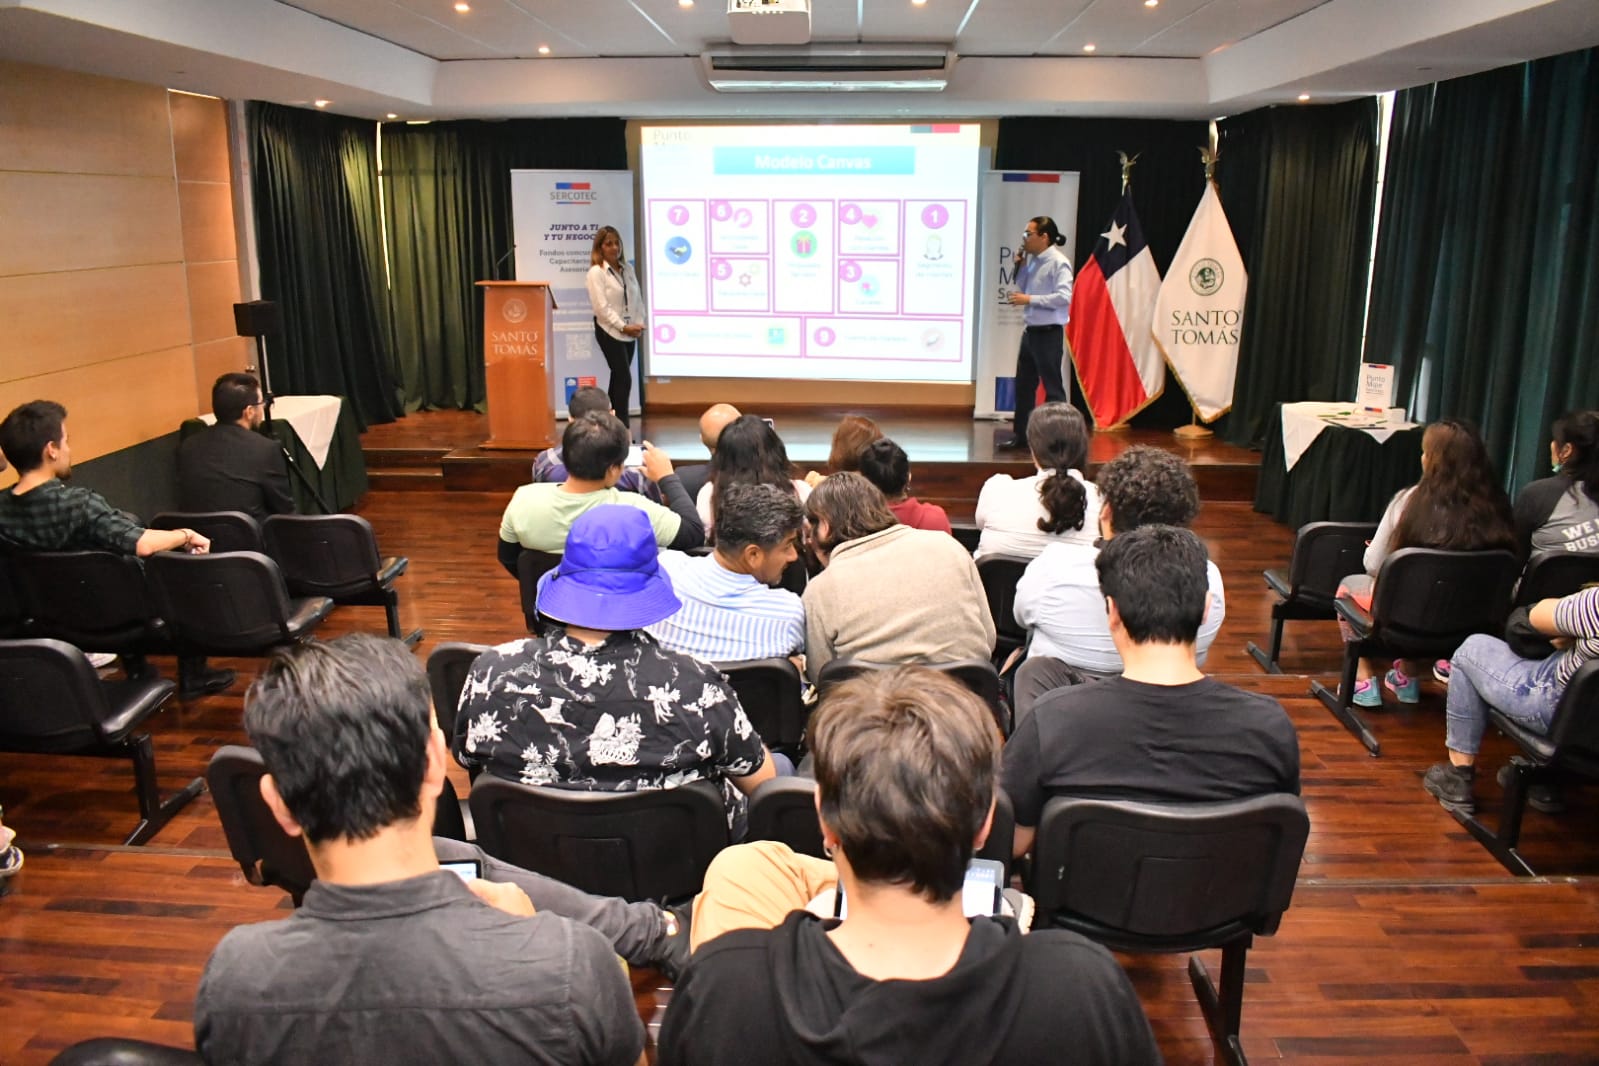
x=1486 y=673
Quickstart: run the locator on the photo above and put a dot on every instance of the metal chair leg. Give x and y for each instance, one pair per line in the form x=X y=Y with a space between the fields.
x=1502 y=844
x=1268 y=662
x=154 y=813
x=1341 y=703
x=1224 y=1010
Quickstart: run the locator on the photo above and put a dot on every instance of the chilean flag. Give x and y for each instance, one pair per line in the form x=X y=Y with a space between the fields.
x=1113 y=304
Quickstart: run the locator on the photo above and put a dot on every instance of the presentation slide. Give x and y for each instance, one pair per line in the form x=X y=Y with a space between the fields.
x=827 y=252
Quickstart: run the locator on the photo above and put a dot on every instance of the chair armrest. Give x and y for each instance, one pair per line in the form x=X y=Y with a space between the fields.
x=1277 y=581
x=1358 y=617
x=391 y=568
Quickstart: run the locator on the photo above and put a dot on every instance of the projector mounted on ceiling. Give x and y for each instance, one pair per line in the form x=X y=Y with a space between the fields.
x=829 y=69
x=769 y=21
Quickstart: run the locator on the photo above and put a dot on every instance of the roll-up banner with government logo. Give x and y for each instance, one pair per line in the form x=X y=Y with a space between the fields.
x=1010 y=199
x=554 y=215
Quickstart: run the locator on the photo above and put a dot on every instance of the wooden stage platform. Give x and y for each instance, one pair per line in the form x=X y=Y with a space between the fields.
x=951 y=455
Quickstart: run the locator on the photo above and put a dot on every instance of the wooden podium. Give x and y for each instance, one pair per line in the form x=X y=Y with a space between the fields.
x=516 y=363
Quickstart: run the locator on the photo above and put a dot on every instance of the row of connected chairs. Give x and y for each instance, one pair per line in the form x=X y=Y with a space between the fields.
x=335 y=556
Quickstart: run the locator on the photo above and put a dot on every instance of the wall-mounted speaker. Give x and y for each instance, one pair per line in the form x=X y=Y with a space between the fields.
x=257 y=318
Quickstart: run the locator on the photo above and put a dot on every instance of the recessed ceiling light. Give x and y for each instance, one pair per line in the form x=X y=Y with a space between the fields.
x=323 y=103
x=392 y=116
x=1151 y=3
x=1303 y=97
x=1090 y=47
x=685 y=3
x=918 y=3
x=544 y=49
x=418 y=121
x=462 y=6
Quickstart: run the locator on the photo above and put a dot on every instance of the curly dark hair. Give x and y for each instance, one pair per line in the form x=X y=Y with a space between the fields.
x=1458 y=505
x=1146 y=486
x=1058 y=439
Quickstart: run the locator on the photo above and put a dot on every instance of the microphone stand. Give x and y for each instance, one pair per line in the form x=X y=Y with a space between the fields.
x=266 y=422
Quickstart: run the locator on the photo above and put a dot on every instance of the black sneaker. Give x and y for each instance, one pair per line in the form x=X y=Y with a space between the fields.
x=1452 y=786
x=674 y=941
x=203 y=681
x=1544 y=796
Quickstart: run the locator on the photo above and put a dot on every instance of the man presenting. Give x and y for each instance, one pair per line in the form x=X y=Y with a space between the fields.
x=1044 y=292
x=230 y=466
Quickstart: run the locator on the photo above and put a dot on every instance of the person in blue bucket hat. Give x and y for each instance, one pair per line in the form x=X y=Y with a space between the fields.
x=595 y=703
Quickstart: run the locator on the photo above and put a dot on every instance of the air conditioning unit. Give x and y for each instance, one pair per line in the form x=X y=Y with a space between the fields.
x=829 y=69
x=769 y=21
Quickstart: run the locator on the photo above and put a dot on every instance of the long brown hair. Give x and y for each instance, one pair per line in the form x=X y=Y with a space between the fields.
x=851 y=437
x=1458 y=504
x=596 y=257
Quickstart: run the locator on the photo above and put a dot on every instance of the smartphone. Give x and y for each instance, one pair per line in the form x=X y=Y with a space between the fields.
x=980 y=895
x=635 y=457
x=465 y=869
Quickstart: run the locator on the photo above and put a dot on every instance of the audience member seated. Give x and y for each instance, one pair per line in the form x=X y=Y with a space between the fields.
x=1458 y=505
x=596 y=703
x=1059 y=597
x=1162 y=732
x=230 y=466
x=1486 y=673
x=716 y=418
x=390 y=958
x=41 y=513
x=1561 y=513
x=886 y=465
x=1023 y=516
x=888 y=593
x=749 y=452
x=853 y=434
x=906 y=766
x=730 y=611
x=594 y=448
x=547 y=466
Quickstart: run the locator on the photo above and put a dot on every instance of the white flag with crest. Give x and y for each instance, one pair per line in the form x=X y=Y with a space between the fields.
x=1199 y=313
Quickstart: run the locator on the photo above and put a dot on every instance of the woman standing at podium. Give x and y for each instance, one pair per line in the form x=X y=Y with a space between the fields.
x=618 y=314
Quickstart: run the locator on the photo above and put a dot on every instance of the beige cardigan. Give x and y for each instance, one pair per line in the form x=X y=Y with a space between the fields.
x=899 y=595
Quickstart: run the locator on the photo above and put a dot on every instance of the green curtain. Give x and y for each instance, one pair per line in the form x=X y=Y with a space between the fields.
x=1167 y=182
x=447 y=210
x=321 y=256
x=1485 y=289
x=1298 y=184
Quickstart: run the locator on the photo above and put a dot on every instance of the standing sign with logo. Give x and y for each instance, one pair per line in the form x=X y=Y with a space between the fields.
x=1010 y=198
x=555 y=214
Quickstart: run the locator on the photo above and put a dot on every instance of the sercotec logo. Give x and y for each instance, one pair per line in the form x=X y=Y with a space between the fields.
x=574 y=192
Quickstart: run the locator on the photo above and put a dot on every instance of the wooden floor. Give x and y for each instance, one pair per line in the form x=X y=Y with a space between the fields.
x=1406 y=943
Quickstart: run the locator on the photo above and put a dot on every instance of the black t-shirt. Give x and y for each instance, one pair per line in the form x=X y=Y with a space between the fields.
x=1121 y=739
x=788 y=996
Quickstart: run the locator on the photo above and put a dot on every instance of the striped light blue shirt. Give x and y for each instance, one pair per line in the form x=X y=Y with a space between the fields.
x=725 y=616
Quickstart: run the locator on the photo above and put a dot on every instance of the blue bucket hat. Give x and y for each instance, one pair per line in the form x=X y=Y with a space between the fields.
x=610 y=576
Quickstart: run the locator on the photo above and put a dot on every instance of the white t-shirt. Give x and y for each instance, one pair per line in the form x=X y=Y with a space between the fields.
x=1008 y=510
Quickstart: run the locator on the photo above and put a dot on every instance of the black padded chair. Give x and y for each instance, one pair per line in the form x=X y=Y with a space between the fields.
x=1557 y=574
x=784 y=809
x=978 y=675
x=228 y=531
x=769 y=690
x=1427 y=602
x=530 y=566
x=121 y=1051
x=967 y=534
x=266 y=854
x=448 y=666
x=336 y=555
x=651 y=845
x=1172 y=878
x=94 y=600
x=53 y=703
x=1324 y=554
x=1571 y=745
x=230 y=604
x=13 y=618
x=999 y=574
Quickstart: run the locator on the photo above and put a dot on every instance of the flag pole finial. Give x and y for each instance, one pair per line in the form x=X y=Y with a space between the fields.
x=1207 y=155
x=1127 y=168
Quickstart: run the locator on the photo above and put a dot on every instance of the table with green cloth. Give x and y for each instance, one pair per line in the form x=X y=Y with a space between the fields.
x=328 y=455
x=1344 y=475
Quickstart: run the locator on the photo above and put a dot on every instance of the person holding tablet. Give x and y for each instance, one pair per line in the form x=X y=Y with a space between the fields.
x=618 y=314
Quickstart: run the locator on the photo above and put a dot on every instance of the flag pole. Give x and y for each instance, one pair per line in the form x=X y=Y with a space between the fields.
x=1194 y=431
x=1127 y=162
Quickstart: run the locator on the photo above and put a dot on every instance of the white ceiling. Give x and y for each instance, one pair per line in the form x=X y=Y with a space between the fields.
x=639 y=58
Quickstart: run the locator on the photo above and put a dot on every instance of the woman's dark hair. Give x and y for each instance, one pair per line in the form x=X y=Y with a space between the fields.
x=907 y=762
x=886 y=465
x=852 y=507
x=1046 y=226
x=1458 y=505
x=749 y=452
x=853 y=434
x=1058 y=438
x=1580 y=430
